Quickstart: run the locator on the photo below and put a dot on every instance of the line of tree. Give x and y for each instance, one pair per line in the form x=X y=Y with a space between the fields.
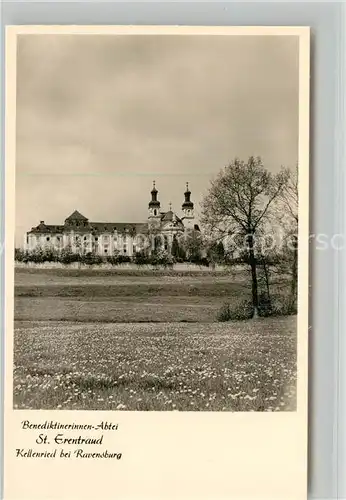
x=157 y=258
x=66 y=256
x=190 y=249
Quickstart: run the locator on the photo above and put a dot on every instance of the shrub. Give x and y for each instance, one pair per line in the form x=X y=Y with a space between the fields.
x=19 y=254
x=161 y=258
x=91 y=259
x=37 y=256
x=112 y=259
x=141 y=259
x=239 y=311
x=277 y=305
x=67 y=257
x=122 y=259
x=242 y=310
x=224 y=314
x=179 y=260
x=26 y=257
x=282 y=306
x=50 y=255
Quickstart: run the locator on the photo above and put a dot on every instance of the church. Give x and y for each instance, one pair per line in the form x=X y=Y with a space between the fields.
x=80 y=235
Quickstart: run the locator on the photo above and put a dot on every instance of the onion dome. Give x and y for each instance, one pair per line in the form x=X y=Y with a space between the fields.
x=154 y=201
x=187 y=203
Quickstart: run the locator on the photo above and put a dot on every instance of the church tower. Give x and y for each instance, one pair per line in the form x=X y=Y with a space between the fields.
x=187 y=208
x=154 y=205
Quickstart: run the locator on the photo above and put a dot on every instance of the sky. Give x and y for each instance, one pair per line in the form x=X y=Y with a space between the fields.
x=99 y=117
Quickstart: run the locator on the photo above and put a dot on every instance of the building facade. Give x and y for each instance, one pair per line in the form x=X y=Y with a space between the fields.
x=116 y=238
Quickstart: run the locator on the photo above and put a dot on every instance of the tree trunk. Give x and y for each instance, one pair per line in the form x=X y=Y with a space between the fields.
x=294 y=270
x=266 y=276
x=253 y=265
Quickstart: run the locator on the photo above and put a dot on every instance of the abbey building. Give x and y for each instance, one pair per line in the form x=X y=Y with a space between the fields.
x=81 y=235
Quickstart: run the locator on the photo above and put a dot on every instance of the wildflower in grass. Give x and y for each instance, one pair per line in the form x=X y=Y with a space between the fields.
x=155 y=364
x=121 y=406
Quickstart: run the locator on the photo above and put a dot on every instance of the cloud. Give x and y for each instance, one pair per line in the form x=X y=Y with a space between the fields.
x=98 y=117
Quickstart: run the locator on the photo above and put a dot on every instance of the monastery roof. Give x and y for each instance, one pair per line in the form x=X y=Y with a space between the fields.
x=170 y=216
x=76 y=216
x=93 y=227
x=78 y=223
x=45 y=228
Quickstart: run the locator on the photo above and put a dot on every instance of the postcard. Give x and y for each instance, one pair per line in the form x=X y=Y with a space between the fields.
x=156 y=247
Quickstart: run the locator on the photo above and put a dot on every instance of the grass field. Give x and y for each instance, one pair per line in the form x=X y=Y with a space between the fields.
x=98 y=295
x=103 y=340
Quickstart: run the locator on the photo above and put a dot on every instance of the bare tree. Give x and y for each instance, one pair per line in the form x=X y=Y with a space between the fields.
x=239 y=202
x=289 y=196
x=288 y=204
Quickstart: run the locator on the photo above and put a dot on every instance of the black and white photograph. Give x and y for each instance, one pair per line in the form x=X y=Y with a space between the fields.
x=156 y=222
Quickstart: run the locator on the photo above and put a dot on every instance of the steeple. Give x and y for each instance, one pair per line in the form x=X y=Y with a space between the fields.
x=187 y=208
x=154 y=204
x=187 y=205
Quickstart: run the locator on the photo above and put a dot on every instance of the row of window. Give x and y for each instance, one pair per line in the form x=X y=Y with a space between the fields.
x=105 y=239
x=76 y=239
x=105 y=249
x=77 y=223
x=124 y=250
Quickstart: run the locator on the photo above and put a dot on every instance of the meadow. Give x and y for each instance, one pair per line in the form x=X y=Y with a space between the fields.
x=100 y=340
x=123 y=296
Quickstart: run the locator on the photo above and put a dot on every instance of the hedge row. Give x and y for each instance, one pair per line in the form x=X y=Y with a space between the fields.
x=41 y=256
